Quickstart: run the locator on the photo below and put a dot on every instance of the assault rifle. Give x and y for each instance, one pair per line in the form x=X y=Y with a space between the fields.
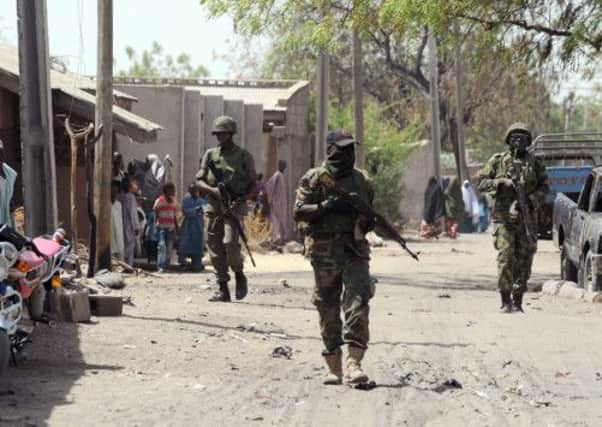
x=523 y=203
x=228 y=205
x=366 y=210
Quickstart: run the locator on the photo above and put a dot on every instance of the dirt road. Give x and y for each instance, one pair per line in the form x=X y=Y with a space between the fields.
x=176 y=359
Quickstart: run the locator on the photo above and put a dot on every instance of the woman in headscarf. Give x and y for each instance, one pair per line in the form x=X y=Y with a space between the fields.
x=454 y=207
x=434 y=210
x=154 y=179
x=471 y=207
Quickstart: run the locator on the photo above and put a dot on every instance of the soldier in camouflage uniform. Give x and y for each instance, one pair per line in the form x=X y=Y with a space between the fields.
x=237 y=168
x=515 y=252
x=339 y=255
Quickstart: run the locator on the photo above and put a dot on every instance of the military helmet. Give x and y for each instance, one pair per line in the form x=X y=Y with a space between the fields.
x=224 y=124
x=518 y=127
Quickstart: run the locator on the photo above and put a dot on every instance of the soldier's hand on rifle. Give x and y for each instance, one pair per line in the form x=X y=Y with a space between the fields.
x=335 y=205
x=366 y=224
x=505 y=184
x=215 y=192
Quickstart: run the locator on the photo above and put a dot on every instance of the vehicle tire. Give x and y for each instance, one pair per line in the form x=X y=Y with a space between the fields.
x=4 y=351
x=587 y=280
x=568 y=271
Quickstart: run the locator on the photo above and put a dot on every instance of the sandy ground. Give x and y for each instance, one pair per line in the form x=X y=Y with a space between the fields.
x=175 y=359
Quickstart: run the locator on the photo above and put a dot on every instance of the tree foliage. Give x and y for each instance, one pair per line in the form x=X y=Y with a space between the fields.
x=575 y=24
x=154 y=62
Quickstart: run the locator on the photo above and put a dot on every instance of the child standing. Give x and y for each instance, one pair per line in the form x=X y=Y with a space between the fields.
x=165 y=210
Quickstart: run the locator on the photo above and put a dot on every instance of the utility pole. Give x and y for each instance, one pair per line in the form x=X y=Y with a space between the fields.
x=358 y=104
x=462 y=168
x=322 y=106
x=434 y=95
x=35 y=101
x=104 y=120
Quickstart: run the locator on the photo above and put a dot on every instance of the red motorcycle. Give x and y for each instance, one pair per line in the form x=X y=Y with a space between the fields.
x=34 y=272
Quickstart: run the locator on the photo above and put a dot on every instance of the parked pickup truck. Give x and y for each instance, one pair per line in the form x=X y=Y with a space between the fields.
x=569 y=158
x=577 y=232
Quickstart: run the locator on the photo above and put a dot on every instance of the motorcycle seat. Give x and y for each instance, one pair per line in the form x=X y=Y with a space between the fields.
x=47 y=247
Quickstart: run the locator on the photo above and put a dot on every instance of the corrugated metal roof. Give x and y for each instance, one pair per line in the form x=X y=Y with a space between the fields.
x=70 y=91
x=271 y=94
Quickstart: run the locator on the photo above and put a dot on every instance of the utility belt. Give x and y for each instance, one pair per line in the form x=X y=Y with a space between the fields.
x=335 y=244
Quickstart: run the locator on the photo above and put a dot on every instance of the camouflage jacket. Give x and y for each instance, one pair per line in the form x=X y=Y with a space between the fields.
x=237 y=167
x=311 y=191
x=531 y=172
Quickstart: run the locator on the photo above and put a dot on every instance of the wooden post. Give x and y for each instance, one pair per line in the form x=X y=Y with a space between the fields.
x=322 y=107
x=358 y=105
x=103 y=149
x=35 y=105
x=462 y=168
x=76 y=138
x=434 y=95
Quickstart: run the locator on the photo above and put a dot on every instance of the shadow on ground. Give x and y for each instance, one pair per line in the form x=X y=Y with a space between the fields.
x=47 y=370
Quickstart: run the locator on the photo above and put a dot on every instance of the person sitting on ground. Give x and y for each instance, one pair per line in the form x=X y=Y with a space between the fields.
x=131 y=223
x=191 y=231
x=166 y=224
x=454 y=207
x=117 y=243
x=434 y=210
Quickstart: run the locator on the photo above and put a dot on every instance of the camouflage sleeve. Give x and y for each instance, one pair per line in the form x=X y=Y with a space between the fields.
x=542 y=187
x=487 y=180
x=370 y=185
x=305 y=195
x=202 y=173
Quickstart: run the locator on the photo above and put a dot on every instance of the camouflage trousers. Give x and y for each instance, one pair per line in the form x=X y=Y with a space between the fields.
x=342 y=281
x=224 y=247
x=515 y=256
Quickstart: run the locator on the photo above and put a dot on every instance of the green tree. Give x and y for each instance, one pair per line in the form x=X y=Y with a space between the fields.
x=386 y=149
x=154 y=62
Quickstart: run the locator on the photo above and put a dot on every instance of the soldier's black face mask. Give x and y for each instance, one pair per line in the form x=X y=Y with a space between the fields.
x=519 y=143
x=340 y=160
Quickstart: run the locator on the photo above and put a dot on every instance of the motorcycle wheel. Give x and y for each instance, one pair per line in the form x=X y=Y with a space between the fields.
x=4 y=351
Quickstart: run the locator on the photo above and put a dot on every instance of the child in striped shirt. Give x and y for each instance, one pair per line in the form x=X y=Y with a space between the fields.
x=166 y=225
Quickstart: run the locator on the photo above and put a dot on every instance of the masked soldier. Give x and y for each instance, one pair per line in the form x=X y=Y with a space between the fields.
x=339 y=255
x=232 y=166
x=515 y=250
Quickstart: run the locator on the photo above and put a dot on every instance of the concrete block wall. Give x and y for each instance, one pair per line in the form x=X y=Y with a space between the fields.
x=187 y=117
x=253 y=135
x=236 y=110
x=214 y=107
x=164 y=105
x=193 y=137
x=419 y=169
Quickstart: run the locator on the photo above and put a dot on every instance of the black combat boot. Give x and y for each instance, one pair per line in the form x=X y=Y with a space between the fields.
x=506 y=302
x=517 y=300
x=222 y=295
x=241 y=285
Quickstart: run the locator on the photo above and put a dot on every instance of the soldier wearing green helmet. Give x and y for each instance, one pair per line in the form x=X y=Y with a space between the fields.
x=515 y=251
x=235 y=167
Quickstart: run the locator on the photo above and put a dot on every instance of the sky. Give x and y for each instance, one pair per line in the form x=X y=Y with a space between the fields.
x=182 y=28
